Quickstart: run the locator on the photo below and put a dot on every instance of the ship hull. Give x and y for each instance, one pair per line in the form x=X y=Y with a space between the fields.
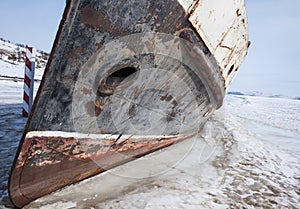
x=56 y=159
x=121 y=82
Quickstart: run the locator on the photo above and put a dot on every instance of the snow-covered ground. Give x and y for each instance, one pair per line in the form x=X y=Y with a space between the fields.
x=12 y=66
x=247 y=156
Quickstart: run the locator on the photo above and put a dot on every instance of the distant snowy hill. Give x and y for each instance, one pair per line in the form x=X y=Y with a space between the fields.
x=261 y=94
x=12 y=60
x=12 y=66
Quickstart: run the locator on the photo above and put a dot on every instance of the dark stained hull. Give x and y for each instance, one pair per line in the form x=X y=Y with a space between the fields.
x=122 y=81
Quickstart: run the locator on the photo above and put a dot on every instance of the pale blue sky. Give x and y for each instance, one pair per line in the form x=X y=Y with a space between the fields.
x=31 y=22
x=270 y=67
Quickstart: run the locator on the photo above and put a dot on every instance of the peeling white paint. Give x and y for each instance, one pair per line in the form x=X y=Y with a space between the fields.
x=33 y=134
x=222 y=24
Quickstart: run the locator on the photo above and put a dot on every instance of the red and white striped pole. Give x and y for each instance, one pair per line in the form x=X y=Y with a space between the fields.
x=28 y=81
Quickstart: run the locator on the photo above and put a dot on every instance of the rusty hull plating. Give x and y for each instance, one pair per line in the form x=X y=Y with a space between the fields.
x=122 y=82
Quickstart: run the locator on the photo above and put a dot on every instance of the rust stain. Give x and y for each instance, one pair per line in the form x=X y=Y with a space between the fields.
x=100 y=20
x=99 y=104
x=226 y=47
x=86 y=91
x=166 y=97
x=196 y=4
x=77 y=52
x=94 y=18
x=93 y=108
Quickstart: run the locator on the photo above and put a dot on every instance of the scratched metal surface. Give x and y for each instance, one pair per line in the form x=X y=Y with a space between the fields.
x=89 y=26
x=136 y=68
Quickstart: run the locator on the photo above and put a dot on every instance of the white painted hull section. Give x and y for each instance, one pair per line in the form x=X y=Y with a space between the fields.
x=222 y=24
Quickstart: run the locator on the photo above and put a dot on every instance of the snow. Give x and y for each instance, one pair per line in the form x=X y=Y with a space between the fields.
x=233 y=163
x=12 y=74
x=246 y=156
x=278 y=118
x=12 y=67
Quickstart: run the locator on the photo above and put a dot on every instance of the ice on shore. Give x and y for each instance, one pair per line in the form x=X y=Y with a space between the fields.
x=244 y=157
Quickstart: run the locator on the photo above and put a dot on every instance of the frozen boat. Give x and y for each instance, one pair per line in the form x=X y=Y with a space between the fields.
x=125 y=79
